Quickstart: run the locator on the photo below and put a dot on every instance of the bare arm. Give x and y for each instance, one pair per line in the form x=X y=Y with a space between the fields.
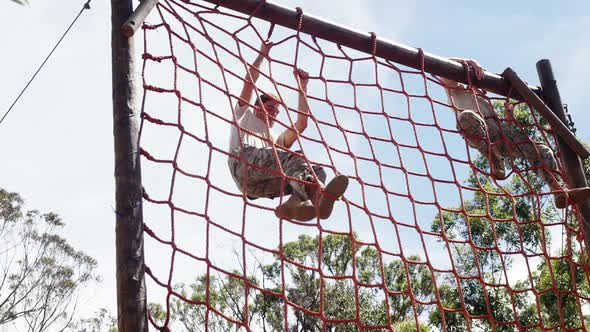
x=456 y=91
x=479 y=73
x=289 y=136
x=253 y=74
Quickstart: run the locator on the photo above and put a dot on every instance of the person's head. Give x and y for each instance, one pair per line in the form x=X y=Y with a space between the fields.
x=267 y=104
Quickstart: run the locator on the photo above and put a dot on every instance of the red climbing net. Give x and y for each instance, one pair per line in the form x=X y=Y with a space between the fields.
x=424 y=239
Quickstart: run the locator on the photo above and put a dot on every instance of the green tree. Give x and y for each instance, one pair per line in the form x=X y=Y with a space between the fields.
x=315 y=285
x=102 y=320
x=493 y=223
x=342 y=297
x=487 y=225
x=226 y=295
x=560 y=283
x=41 y=275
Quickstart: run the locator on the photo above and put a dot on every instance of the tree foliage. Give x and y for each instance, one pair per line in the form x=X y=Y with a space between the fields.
x=315 y=286
x=492 y=224
x=41 y=274
x=102 y=320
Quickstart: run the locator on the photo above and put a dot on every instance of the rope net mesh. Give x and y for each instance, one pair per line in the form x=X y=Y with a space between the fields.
x=425 y=238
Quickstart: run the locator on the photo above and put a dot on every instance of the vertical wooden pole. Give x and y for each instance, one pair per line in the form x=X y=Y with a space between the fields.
x=575 y=171
x=131 y=299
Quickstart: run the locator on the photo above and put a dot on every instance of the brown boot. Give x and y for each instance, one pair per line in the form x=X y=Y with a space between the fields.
x=576 y=195
x=560 y=200
x=296 y=209
x=497 y=168
x=330 y=194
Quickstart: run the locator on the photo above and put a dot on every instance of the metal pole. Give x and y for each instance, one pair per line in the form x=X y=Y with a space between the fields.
x=575 y=171
x=136 y=19
x=131 y=299
x=557 y=124
x=362 y=41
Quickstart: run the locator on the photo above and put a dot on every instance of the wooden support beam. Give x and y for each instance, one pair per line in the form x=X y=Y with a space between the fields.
x=136 y=19
x=575 y=171
x=362 y=41
x=557 y=125
x=130 y=269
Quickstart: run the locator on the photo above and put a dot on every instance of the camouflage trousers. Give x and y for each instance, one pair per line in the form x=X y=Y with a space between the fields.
x=509 y=141
x=253 y=173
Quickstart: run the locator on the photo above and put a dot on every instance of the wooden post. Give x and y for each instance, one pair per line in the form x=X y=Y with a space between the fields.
x=362 y=41
x=131 y=300
x=575 y=171
x=136 y=19
x=557 y=124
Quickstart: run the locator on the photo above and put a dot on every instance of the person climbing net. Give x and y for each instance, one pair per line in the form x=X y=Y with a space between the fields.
x=261 y=163
x=501 y=141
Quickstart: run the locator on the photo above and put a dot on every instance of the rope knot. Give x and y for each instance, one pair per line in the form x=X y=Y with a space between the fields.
x=300 y=18
x=373 y=44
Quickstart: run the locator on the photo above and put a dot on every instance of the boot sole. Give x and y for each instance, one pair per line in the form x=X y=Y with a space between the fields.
x=332 y=192
x=303 y=212
x=576 y=195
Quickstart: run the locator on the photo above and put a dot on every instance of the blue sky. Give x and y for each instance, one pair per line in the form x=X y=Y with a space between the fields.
x=57 y=146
